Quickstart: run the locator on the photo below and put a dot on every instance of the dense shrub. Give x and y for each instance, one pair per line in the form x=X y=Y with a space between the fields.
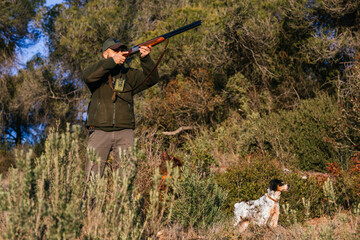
x=44 y=194
x=299 y=137
x=199 y=152
x=237 y=89
x=346 y=133
x=347 y=184
x=247 y=181
x=186 y=101
x=46 y=197
x=199 y=200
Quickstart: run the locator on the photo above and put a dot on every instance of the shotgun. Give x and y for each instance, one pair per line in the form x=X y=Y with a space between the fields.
x=119 y=84
x=162 y=38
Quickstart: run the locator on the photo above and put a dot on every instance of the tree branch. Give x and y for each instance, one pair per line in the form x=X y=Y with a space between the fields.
x=179 y=130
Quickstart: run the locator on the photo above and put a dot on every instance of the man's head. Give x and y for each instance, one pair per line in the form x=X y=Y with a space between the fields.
x=112 y=46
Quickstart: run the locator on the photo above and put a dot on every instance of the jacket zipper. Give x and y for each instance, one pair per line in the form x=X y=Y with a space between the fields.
x=114 y=116
x=97 y=107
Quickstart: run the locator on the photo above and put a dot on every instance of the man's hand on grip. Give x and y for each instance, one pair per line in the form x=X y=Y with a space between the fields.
x=120 y=57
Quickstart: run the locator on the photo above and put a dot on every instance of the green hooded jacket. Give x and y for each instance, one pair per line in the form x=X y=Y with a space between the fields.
x=103 y=112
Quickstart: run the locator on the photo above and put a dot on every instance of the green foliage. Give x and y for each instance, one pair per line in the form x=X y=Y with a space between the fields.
x=300 y=138
x=306 y=198
x=37 y=95
x=346 y=182
x=48 y=196
x=199 y=200
x=186 y=49
x=247 y=181
x=266 y=55
x=90 y=23
x=310 y=195
x=302 y=133
x=346 y=133
x=348 y=190
x=14 y=18
x=44 y=194
x=186 y=101
x=200 y=153
x=237 y=89
x=276 y=77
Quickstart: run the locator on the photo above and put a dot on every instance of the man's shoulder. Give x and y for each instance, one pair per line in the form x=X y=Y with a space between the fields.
x=107 y=64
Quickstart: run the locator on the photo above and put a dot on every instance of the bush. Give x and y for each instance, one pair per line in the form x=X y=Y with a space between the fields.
x=199 y=152
x=44 y=194
x=347 y=182
x=300 y=136
x=247 y=181
x=237 y=89
x=46 y=197
x=199 y=200
x=186 y=100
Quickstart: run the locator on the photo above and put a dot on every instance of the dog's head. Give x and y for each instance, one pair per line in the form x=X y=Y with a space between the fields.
x=278 y=185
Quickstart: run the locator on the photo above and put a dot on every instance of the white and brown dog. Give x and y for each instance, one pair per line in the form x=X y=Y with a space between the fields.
x=263 y=211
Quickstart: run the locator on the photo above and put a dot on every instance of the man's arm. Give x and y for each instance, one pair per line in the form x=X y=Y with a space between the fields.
x=96 y=71
x=147 y=65
x=103 y=67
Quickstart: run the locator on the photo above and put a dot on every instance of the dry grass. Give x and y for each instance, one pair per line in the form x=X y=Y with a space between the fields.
x=344 y=225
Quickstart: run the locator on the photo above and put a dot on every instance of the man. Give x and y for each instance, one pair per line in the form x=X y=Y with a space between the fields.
x=111 y=119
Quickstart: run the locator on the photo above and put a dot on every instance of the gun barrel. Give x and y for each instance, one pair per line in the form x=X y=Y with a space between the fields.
x=182 y=29
x=160 y=39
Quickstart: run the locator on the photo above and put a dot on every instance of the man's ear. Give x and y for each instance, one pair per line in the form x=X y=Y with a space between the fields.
x=106 y=54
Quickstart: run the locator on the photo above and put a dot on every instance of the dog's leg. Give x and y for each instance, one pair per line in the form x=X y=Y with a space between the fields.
x=274 y=219
x=243 y=225
x=236 y=222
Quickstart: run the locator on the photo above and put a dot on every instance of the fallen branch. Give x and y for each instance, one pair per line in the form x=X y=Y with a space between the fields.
x=179 y=130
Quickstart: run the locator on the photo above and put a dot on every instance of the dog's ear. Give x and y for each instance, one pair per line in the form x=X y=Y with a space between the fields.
x=274 y=184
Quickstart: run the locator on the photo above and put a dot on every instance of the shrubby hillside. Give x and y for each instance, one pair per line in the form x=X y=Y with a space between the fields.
x=265 y=89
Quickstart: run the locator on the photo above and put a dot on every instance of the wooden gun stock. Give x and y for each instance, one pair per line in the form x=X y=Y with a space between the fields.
x=162 y=38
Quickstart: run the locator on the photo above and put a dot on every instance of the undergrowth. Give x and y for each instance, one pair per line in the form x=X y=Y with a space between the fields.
x=48 y=197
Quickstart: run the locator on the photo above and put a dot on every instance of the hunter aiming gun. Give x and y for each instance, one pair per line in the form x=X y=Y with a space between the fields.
x=162 y=38
x=119 y=84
